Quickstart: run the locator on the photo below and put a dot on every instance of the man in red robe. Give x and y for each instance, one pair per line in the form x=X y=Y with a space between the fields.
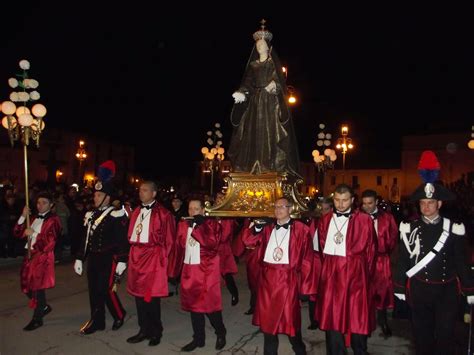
x=37 y=271
x=387 y=234
x=151 y=236
x=227 y=261
x=348 y=244
x=196 y=258
x=286 y=257
x=250 y=255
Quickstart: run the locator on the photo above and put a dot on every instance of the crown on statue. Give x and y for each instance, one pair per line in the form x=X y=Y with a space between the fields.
x=263 y=33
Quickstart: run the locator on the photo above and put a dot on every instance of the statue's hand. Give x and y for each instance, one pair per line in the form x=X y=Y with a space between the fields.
x=238 y=97
x=271 y=88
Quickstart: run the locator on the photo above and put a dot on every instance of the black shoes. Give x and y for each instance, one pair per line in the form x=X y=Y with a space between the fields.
x=220 y=342
x=250 y=311
x=193 y=345
x=154 y=341
x=91 y=327
x=47 y=310
x=313 y=325
x=117 y=324
x=386 y=331
x=137 y=338
x=34 y=324
x=38 y=322
x=235 y=299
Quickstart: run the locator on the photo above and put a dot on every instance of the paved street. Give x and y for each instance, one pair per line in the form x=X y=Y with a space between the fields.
x=69 y=300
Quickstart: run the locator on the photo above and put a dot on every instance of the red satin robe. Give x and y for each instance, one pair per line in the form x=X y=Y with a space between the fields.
x=37 y=273
x=316 y=256
x=250 y=255
x=278 y=306
x=345 y=301
x=200 y=283
x=387 y=234
x=148 y=262
x=227 y=261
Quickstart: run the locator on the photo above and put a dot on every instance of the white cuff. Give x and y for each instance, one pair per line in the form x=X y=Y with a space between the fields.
x=21 y=220
x=400 y=296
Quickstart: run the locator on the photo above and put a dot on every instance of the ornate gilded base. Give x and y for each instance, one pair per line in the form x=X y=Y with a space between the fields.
x=250 y=195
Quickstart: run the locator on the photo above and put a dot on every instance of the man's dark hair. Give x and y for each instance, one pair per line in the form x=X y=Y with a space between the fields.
x=46 y=195
x=328 y=200
x=369 y=193
x=197 y=198
x=343 y=188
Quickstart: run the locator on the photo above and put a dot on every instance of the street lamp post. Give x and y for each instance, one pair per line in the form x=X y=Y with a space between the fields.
x=345 y=144
x=22 y=123
x=81 y=155
x=470 y=144
x=325 y=160
x=213 y=154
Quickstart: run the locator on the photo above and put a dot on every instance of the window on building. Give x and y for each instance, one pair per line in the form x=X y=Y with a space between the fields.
x=379 y=181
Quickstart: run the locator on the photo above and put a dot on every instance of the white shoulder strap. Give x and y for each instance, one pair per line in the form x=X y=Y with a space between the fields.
x=435 y=251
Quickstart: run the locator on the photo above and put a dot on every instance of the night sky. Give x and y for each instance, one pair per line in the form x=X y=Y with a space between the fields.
x=170 y=73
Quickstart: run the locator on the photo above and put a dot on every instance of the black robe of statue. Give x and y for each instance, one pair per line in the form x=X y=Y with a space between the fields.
x=263 y=138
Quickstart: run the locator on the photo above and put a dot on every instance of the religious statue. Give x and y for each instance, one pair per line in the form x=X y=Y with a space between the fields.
x=263 y=138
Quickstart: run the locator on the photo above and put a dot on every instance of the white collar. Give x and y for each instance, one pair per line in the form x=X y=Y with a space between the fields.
x=289 y=219
x=44 y=214
x=434 y=220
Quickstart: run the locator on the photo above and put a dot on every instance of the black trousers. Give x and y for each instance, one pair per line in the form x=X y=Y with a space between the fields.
x=253 y=299
x=149 y=316
x=312 y=311
x=382 y=317
x=335 y=344
x=100 y=273
x=230 y=284
x=40 y=297
x=270 y=344
x=198 y=322
x=434 y=308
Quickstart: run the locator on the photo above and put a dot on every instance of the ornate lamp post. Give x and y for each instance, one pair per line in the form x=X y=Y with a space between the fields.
x=345 y=144
x=470 y=144
x=325 y=160
x=81 y=155
x=23 y=123
x=213 y=154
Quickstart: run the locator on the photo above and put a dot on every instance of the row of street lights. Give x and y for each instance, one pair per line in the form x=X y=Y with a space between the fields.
x=325 y=159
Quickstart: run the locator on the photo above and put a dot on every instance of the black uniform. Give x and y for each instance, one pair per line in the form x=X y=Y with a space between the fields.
x=103 y=247
x=434 y=292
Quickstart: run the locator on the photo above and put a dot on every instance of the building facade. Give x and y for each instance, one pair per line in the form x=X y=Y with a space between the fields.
x=455 y=158
x=55 y=160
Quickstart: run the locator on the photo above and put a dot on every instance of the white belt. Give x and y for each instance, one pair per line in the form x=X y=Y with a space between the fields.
x=437 y=248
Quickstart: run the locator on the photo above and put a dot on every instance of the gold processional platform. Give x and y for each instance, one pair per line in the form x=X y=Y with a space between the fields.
x=254 y=195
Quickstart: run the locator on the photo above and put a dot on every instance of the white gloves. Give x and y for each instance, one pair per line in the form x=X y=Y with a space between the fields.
x=78 y=267
x=400 y=296
x=121 y=266
x=470 y=300
x=238 y=97
x=271 y=88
